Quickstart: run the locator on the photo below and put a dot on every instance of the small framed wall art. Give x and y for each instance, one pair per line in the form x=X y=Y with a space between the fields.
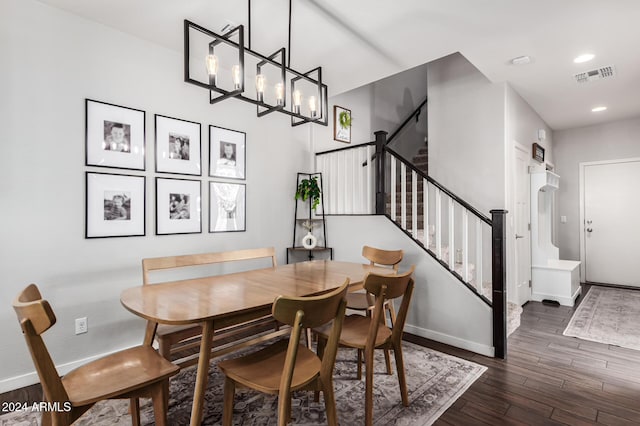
x=178 y=206
x=227 y=153
x=537 y=152
x=341 y=124
x=115 y=205
x=177 y=146
x=227 y=207
x=114 y=135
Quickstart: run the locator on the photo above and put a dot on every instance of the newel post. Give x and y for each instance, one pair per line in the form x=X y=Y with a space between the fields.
x=381 y=141
x=498 y=280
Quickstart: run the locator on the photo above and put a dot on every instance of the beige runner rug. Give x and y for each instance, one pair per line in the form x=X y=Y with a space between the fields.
x=608 y=315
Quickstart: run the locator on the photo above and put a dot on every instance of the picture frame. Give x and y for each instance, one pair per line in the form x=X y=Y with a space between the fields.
x=227 y=207
x=114 y=205
x=114 y=136
x=341 y=131
x=178 y=206
x=177 y=146
x=227 y=153
x=537 y=152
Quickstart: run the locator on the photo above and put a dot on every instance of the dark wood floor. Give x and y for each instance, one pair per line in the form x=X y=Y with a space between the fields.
x=549 y=378
x=546 y=379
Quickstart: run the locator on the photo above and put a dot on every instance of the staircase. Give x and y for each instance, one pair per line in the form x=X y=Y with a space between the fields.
x=470 y=245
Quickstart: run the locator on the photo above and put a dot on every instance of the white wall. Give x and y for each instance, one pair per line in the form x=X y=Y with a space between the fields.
x=614 y=140
x=522 y=124
x=467 y=132
x=381 y=105
x=442 y=308
x=52 y=61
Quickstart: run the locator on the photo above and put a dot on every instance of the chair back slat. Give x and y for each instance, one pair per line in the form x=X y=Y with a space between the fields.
x=396 y=285
x=35 y=317
x=317 y=310
x=29 y=306
x=172 y=262
x=381 y=257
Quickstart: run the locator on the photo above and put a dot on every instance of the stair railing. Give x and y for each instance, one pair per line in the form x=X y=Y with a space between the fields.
x=460 y=237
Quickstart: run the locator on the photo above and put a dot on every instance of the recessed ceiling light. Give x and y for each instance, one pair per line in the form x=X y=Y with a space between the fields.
x=598 y=109
x=521 y=60
x=584 y=58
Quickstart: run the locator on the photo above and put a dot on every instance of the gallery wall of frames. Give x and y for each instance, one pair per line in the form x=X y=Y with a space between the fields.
x=116 y=200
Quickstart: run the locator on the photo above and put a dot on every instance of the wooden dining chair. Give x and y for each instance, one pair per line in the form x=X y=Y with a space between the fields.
x=363 y=301
x=367 y=333
x=130 y=374
x=287 y=366
x=175 y=338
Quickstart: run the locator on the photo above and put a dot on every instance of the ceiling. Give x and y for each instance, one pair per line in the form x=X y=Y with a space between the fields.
x=360 y=41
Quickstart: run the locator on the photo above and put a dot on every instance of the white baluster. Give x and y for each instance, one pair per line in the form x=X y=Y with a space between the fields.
x=392 y=160
x=403 y=195
x=479 y=256
x=465 y=245
x=414 y=204
x=370 y=188
x=452 y=237
x=438 y=224
x=425 y=212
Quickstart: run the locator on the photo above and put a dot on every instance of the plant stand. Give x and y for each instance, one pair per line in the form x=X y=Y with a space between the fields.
x=304 y=213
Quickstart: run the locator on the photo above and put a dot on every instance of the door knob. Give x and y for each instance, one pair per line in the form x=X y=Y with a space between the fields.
x=519 y=236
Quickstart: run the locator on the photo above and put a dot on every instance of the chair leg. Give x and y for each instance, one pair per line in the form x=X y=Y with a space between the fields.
x=134 y=411
x=330 y=404
x=284 y=407
x=227 y=408
x=397 y=350
x=160 y=396
x=320 y=351
x=359 y=364
x=164 y=348
x=368 y=398
x=309 y=337
x=387 y=361
x=46 y=418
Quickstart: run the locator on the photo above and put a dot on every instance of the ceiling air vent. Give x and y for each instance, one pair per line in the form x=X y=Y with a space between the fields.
x=597 y=74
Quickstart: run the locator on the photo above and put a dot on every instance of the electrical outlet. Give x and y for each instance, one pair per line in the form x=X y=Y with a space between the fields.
x=82 y=326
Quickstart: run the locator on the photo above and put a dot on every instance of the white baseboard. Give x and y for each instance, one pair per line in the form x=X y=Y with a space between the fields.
x=32 y=378
x=478 y=348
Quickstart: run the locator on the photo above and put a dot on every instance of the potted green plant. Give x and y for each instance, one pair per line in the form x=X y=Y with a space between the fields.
x=309 y=189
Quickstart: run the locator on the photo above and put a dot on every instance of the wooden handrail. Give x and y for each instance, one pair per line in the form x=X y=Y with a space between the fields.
x=404 y=123
x=346 y=148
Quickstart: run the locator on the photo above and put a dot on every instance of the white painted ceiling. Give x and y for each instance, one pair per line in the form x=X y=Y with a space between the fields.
x=360 y=41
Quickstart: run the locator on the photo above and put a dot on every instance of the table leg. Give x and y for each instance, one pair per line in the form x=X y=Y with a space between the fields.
x=202 y=374
x=150 y=333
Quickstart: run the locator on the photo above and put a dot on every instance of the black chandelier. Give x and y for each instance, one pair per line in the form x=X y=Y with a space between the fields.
x=220 y=64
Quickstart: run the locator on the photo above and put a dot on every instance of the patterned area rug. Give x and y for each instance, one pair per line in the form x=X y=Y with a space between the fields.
x=435 y=380
x=608 y=315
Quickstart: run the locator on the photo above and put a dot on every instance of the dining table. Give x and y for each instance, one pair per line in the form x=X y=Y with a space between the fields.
x=220 y=301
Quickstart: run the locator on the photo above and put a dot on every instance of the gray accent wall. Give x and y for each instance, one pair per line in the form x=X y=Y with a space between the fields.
x=609 y=141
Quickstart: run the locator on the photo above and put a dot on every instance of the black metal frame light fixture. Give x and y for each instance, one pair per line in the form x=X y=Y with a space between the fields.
x=317 y=102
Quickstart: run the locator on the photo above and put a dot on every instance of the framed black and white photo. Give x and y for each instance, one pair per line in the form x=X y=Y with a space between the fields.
x=115 y=205
x=177 y=146
x=226 y=153
x=227 y=207
x=341 y=124
x=178 y=206
x=115 y=136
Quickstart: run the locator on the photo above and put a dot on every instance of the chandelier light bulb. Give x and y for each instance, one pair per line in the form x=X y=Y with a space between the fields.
x=313 y=106
x=280 y=94
x=297 y=101
x=236 y=74
x=261 y=82
x=211 y=61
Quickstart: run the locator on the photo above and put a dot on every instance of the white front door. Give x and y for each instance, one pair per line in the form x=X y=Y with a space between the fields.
x=611 y=222
x=521 y=215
